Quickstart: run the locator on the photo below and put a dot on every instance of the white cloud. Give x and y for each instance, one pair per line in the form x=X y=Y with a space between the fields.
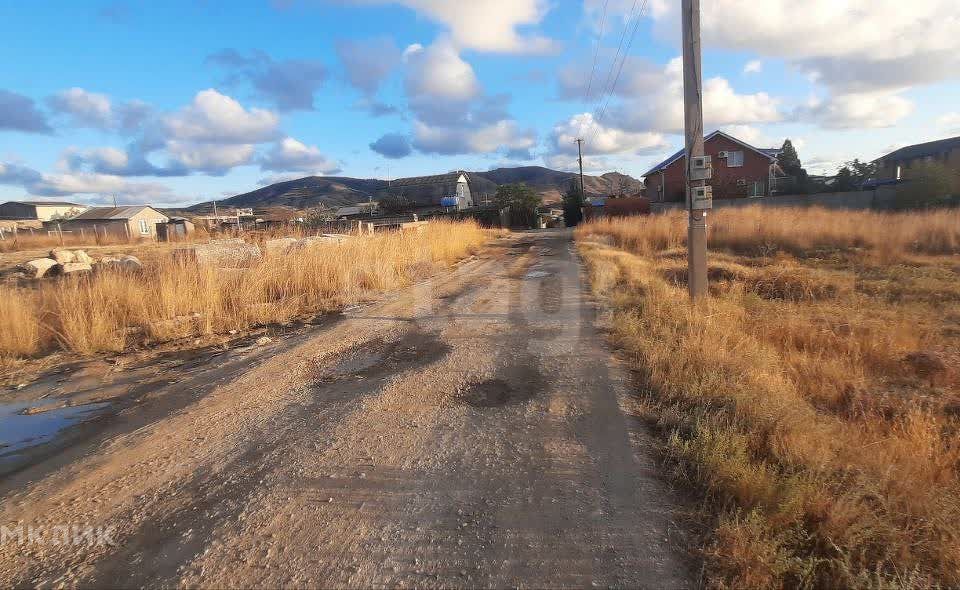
x=87 y=108
x=862 y=110
x=290 y=155
x=749 y=134
x=852 y=46
x=486 y=25
x=216 y=118
x=660 y=109
x=754 y=66
x=438 y=72
x=501 y=135
x=91 y=109
x=213 y=159
x=83 y=183
x=602 y=139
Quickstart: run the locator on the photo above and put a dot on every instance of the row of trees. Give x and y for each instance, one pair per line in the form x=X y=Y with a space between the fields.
x=850 y=176
x=927 y=184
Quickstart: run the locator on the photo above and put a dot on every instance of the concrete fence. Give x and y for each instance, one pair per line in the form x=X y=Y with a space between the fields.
x=881 y=199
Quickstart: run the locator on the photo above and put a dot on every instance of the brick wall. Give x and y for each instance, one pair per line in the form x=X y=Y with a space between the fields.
x=756 y=168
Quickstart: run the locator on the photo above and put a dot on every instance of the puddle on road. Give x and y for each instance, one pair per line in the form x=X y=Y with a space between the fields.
x=537 y=274
x=19 y=431
x=493 y=393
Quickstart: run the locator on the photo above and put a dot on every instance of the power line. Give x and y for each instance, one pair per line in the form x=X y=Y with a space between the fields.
x=593 y=68
x=612 y=88
x=596 y=52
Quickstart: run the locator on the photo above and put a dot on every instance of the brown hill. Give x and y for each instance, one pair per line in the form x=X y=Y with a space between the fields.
x=338 y=191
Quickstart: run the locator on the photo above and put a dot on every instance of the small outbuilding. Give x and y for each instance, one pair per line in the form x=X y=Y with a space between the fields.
x=176 y=229
x=133 y=222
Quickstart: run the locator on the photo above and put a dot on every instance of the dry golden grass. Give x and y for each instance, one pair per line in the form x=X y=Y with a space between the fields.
x=813 y=395
x=802 y=232
x=169 y=300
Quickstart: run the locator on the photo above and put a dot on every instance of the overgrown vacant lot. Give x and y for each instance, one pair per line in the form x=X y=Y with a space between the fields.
x=169 y=300
x=813 y=396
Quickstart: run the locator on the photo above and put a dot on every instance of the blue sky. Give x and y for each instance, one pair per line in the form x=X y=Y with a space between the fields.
x=179 y=102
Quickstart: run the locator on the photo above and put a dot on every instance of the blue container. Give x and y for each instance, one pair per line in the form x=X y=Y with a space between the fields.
x=448 y=202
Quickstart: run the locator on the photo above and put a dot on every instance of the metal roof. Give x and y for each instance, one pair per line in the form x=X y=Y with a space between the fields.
x=920 y=150
x=105 y=213
x=768 y=152
x=47 y=203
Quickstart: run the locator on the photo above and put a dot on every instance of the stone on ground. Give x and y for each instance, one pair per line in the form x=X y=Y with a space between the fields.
x=81 y=256
x=62 y=255
x=38 y=268
x=223 y=254
x=125 y=263
x=74 y=268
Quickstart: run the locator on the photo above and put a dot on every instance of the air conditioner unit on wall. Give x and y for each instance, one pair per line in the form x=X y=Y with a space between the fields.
x=722 y=155
x=742 y=182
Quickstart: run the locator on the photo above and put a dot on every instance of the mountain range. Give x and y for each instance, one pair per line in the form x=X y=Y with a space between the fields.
x=338 y=191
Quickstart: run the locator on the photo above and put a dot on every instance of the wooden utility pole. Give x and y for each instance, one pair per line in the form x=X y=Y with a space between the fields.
x=699 y=193
x=583 y=191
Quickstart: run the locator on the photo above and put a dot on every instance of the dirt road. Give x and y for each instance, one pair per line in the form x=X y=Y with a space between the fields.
x=466 y=432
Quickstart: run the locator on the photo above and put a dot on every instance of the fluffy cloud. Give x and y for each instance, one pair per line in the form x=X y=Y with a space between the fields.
x=61 y=185
x=367 y=63
x=290 y=155
x=863 y=110
x=652 y=99
x=851 y=46
x=288 y=84
x=15 y=174
x=19 y=113
x=603 y=139
x=211 y=135
x=90 y=109
x=392 y=145
x=214 y=159
x=486 y=25
x=216 y=118
x=439 y=73
x=502 y=135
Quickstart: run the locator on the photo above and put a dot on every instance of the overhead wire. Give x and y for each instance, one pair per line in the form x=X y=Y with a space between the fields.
x=636 y=16
x=593 y=68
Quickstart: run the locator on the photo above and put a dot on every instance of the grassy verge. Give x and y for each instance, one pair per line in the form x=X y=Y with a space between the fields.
x=169 y=300
x=813 y=396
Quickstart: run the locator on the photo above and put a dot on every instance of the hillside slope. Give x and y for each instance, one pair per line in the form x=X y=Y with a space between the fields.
x=338 y=191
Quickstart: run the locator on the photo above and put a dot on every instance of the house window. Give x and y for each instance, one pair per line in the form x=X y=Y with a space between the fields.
x=144 y=229
x=734 y=159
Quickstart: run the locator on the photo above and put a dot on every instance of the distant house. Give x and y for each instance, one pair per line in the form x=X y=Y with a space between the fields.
x=138 y=221
x=39 y=210
x=739 y=170
x=897 y=164
x=358 y=210
x=452 y=190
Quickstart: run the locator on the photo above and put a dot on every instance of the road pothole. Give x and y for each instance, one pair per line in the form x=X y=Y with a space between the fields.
x=492 y=393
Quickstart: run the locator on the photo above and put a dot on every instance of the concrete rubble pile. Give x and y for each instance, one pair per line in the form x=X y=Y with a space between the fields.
x=233 y=252
x=62 y=261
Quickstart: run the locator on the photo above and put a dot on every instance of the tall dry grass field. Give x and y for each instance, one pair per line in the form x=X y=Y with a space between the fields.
x=813 y=395
x=169 y=300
